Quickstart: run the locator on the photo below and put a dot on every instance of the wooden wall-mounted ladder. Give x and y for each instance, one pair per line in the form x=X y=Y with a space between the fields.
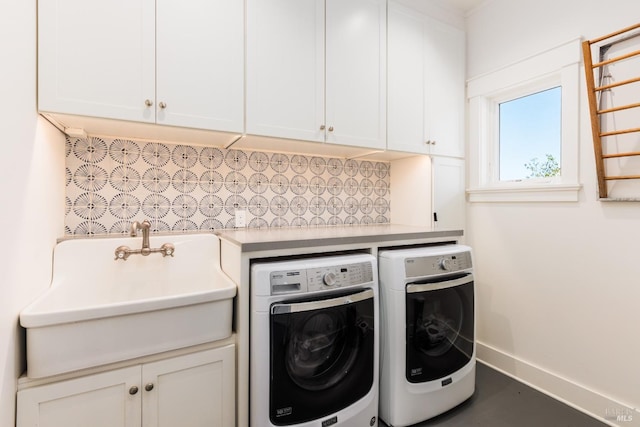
x=594 y=92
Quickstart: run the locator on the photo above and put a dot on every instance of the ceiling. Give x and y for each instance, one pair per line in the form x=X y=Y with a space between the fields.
x=463 y=5
x=459 y=7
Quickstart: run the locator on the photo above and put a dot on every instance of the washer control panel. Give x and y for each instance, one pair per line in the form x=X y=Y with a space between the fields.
x=320 y=278
x=437 y=264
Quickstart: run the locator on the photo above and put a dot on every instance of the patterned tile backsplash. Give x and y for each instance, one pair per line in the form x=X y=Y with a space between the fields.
x=112 y=182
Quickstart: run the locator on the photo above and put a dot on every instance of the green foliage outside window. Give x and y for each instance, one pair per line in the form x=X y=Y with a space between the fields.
x=547 y=168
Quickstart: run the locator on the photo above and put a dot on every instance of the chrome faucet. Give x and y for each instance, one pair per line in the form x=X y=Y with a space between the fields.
x=123 y=252
x=145 y=226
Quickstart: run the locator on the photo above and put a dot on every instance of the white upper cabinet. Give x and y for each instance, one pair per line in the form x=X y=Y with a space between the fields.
x=200 y=64
x=426 y=66
x=97 y=58
x=444 y=88
x=161 y=62
x=355 y=72
x=298 y=87
x=285 y=68
x=406 y=109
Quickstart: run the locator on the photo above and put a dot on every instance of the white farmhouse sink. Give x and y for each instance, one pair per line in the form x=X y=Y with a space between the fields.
x=99 y=310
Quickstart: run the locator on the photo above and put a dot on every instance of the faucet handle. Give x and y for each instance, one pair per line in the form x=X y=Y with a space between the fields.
x=167 y=249
x=122 y=252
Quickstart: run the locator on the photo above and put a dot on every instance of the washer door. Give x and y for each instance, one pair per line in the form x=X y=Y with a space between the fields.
x=440 y=329
x=322 y=356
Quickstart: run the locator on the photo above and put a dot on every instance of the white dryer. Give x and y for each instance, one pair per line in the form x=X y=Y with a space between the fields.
x=428 y=353
x=314 y=342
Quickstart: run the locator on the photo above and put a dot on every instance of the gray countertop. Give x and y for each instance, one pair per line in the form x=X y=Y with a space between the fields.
x=252 y=240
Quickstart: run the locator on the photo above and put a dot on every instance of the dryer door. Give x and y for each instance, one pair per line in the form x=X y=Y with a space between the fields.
x=440 y=327
x=322 y=356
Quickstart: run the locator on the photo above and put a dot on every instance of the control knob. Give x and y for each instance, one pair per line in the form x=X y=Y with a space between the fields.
x=329 y=279
x=446 y=264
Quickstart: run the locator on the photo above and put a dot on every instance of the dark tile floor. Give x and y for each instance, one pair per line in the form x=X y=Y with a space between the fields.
x=500 y=401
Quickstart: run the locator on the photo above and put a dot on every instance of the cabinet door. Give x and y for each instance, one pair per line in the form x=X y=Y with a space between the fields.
x=101 y=400
x=405 y=68
x=411 y=186
x=200 y=64
x=448 y=192
x=97 y=58
x=285 y=68
x=355 y=72
x=445 y=88
x=190 y=391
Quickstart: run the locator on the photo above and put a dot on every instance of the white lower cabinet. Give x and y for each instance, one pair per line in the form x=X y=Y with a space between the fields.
x=194 y=390
x=100 y=400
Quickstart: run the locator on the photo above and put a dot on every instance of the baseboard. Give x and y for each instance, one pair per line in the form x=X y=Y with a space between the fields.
x=577 y=396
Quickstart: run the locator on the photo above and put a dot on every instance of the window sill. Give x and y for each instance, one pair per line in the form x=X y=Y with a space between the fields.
x=526 y=193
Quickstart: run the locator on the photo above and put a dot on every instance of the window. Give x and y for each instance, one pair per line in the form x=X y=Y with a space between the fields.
x=529 y=136
x=523 y=129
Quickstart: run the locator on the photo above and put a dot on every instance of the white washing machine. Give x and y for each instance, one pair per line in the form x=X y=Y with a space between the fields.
x=314 y=342
x=427 y=348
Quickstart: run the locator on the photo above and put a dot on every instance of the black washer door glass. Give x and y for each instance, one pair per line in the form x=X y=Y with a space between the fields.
x=322 y=350
x=321 y=361
x=438 y=323
x=440 y=332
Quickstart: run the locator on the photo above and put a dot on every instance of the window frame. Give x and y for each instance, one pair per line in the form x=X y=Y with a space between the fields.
x=557 y=67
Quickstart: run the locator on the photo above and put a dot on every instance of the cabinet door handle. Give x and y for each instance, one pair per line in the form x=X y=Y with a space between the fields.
x=149 y=387
x=148 y=102
x=330 y=128
x=162 y=105
x=433 y=143
x=133 y=390
x=322 y=127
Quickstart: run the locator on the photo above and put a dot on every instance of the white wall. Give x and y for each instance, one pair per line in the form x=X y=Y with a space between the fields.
x=558 y=283
x=31 y=190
